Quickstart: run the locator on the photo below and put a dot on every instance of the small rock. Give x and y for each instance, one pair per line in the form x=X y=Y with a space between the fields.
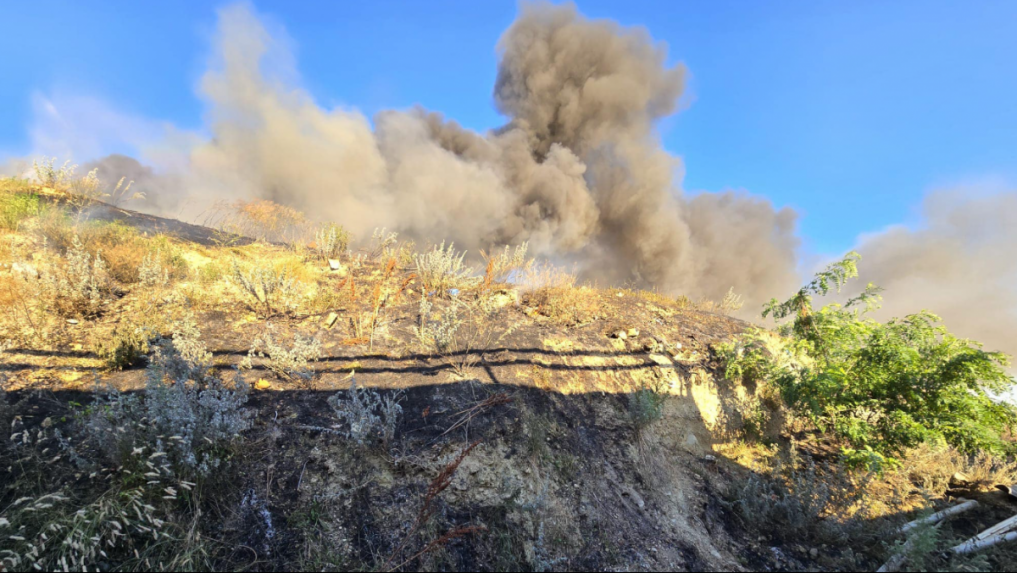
x=72 y=321
x=813 y=553
x=334 y=264
x=47 y=422
x=959 y=479
x=661 y=360
x=262 y=384
x=504 y=297
x=709 y=458
x=619 y=334
x=25 y=269
x=331 y=319
x=632 y=332
x=621 y=294
x=650 y=345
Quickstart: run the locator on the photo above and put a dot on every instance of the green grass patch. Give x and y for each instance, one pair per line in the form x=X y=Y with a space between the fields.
x=16 y=207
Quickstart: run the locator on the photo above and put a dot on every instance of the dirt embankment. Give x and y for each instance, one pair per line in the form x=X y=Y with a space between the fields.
x=562 y=461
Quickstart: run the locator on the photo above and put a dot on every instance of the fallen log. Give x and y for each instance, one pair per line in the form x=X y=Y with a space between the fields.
x=972 y=545
x=939 y=516
x=895 y=562
x=996 y=534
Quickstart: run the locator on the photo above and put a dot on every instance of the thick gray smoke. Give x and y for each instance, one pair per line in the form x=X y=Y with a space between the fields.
x=579 y=170
x=959 y=264
x=158 y=192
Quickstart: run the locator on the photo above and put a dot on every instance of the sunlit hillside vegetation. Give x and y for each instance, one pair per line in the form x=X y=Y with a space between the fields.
x=264 y=391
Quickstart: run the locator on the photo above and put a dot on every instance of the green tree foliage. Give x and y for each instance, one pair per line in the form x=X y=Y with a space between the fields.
x=881 y=387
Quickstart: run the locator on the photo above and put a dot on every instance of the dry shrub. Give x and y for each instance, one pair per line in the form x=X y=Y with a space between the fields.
x=554 y=293
x=268 y=288
x=730 y=303
x=502 y=266
x=655 y=297
x=55 y=228
x=81 y=192
x=295 y=267
x=49 y=175
x=24 y=316
x=123 y=346
x=269 y=217
x=78 y=285
x=442 y=271
x=260 y=219
x=327 y=296
x=122 y=247
x=287 y=361
x=124 y=260
x=931 y=467
x=169 y=256
x=211 y=272
x=685 y=303
x=331 y=241
x=796 y=500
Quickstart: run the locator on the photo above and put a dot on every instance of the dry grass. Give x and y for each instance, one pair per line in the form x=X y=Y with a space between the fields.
x=25 y=317
x=259 y=219
x=555 y=294
x=930 y=468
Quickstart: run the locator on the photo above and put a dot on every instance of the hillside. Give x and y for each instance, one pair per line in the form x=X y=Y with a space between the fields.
x=274 y=400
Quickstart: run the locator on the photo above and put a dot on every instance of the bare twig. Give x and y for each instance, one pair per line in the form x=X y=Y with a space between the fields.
x=470 y=413
x=453 y=534
x=439 y=484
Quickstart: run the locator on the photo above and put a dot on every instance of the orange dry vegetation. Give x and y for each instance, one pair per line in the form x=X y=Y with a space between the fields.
x=269 y=215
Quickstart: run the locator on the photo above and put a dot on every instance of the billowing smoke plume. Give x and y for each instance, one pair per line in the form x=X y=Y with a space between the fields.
x=960 y=264
x=579 y=170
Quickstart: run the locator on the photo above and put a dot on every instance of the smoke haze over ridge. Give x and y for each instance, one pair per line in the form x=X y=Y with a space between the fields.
x=578 y=171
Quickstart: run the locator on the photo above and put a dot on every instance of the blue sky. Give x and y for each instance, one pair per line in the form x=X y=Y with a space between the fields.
x=847 y=111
